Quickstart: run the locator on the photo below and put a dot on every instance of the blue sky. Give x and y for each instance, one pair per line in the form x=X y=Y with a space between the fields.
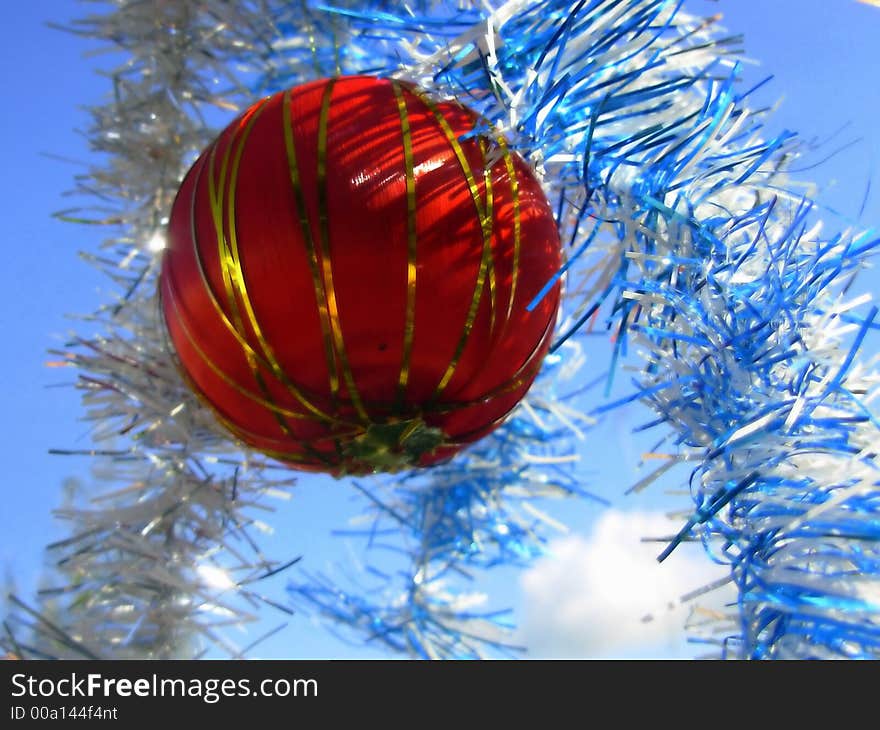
x=824 y=59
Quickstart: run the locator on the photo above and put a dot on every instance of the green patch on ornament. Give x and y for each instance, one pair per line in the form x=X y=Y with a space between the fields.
x=392 y=446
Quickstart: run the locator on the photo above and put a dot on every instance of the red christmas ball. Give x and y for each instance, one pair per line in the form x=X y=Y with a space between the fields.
x=347 y=275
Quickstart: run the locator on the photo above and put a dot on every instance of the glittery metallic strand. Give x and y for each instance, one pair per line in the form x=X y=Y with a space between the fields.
x=468 y=515
x=251 y=354
x=526 y=371
x=483 y=213
x=688 y=239
x=411 y=241
x=311 y=248
x=232 y=261
x=270 y=405
x=326 y=261
x=488 y=215
x=233 y=275
x=216 y=193
x=234 y=428
x=171 y=517
x=261 y=400
x=517 y=221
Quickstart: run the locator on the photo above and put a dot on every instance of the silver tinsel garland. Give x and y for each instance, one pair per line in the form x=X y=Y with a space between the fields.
x=164 y=557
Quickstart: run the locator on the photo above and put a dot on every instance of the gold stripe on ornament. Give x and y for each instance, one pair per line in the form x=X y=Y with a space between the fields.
x=217 y=217
x=234 y=276
x=250 y=353
x=285 y=455
x=517 y=219
x=230 y=425
x=411 y=242
x=527 y=370
x=236 y=273
x=244 y=434
x=238 y=433
x=329 y=290
x=226 y=258
x=218 y=371
x=311 y=249
x=489 y=213
x=486 y=227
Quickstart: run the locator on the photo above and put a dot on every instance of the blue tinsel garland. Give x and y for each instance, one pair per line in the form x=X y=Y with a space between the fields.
x=686 y=235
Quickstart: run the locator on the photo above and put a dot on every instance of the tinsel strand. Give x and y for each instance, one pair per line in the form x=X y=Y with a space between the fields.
x=707 y=261
x=161 y=559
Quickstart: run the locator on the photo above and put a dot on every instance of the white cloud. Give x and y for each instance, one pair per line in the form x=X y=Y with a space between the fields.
x=607 y=596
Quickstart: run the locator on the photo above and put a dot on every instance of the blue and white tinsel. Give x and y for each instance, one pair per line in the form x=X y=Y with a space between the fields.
x=687 y=237
x=684 y=236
